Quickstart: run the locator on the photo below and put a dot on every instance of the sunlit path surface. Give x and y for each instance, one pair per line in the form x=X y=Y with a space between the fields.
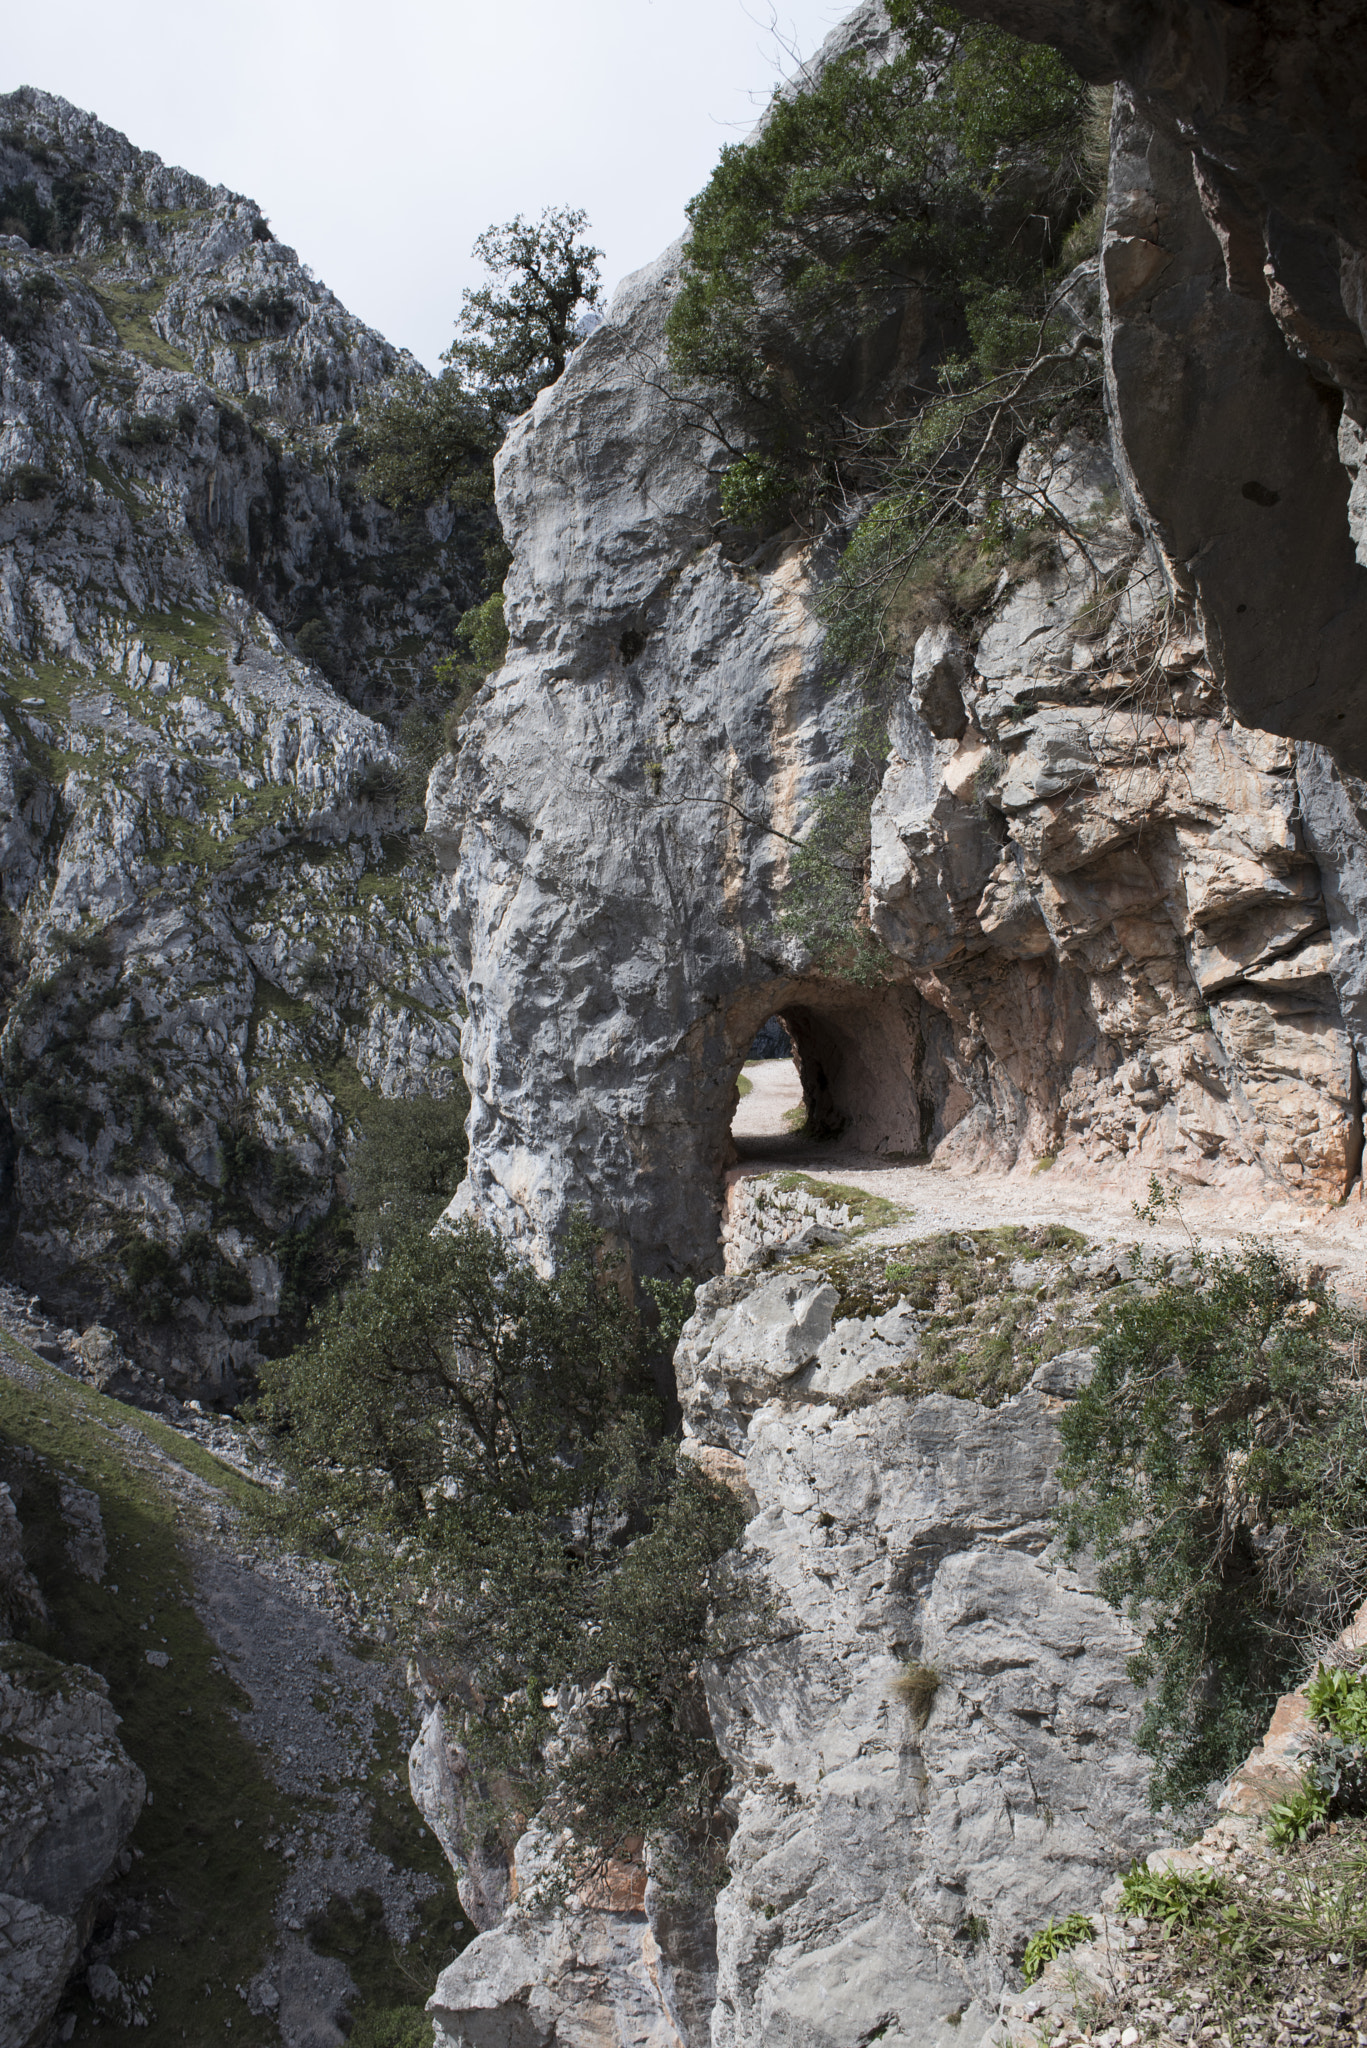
x=933 y=1198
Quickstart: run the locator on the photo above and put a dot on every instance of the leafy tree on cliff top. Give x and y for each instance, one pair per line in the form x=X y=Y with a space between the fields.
x=956 y=169
x=428 y=438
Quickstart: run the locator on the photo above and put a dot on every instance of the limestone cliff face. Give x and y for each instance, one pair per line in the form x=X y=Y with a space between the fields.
x=215 y=925
x=1119 y=924
x=1119 y=895
x=894 y=1848
x=891 y=1857
x=1235 y=257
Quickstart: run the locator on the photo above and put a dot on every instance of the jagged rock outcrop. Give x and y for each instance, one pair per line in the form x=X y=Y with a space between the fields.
x=893 y=1853
x=70 y=1797
x=1235 y=255
x=217 y=927
x=448 y=1799
x=928 y=1719
x=1113 y=936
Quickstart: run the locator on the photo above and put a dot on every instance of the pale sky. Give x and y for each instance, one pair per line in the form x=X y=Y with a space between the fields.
x=381 y=139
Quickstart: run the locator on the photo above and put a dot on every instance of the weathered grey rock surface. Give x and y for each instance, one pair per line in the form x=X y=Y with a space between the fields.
x=887 y=1869
x=1235 y=257
x=891 y=1853
x=217 y=929
x=70 y=1796
x=1114 y=933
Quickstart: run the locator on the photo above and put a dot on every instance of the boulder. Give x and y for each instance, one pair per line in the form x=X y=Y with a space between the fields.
x=69 y=1791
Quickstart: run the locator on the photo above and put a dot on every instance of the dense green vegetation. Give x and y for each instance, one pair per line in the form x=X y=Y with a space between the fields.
x=427 y=438
x=485 y=1446
x=1217 y=1467
x=407 y=1166
x=876 y=281
x=888 y=240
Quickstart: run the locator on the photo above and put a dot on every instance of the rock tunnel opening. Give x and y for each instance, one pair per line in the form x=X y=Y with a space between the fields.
x=856 y=1061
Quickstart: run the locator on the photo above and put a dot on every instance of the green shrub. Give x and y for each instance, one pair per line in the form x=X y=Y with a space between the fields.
x=1338 y=1698
x=426 y=438
x=242 y=1156
x=397 y=2026
x=54 y=226
x=407 y=1166
x=1174 y=1897
x=485 y=1444
x=28 y=482
x=1055 y=1938
x=954 y=169
x=51 y=1107
x=147 y=430
x=828 y=869
x=752 y=489
x=1217 y=1467
x=481 y=640
x=149 y=1281
x=291 y=1182
x=316 y=1261
x=1297 y=1817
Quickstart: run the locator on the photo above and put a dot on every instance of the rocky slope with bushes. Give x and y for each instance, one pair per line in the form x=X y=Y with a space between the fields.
x=219 y=935
x=1045 y=875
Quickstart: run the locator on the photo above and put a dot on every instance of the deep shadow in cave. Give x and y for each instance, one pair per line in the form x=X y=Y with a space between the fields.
x=859 y=1056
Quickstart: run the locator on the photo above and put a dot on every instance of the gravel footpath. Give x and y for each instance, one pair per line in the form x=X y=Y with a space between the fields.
x=934 y=1198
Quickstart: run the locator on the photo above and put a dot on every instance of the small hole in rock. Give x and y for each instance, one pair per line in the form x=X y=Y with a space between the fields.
x=631 y=644
x=1259 y=494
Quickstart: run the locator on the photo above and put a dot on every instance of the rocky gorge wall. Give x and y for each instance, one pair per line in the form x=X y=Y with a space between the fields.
x=218 y=933
x=1235 y=253
x=1119 y=924
x=1116 y=873
x=927 y=1719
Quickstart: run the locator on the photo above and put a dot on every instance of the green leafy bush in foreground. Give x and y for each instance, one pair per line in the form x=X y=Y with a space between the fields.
x=1335 y=1778
x=484 y=1445
x=1338 y=1698
x=1217 y=1467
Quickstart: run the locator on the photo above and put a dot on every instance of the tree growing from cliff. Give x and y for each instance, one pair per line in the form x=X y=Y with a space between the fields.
x=1217 y=1468
x=952 y=172
x=876 y=281
x=485 y=1444
x=429 y=438
x=519 y=331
